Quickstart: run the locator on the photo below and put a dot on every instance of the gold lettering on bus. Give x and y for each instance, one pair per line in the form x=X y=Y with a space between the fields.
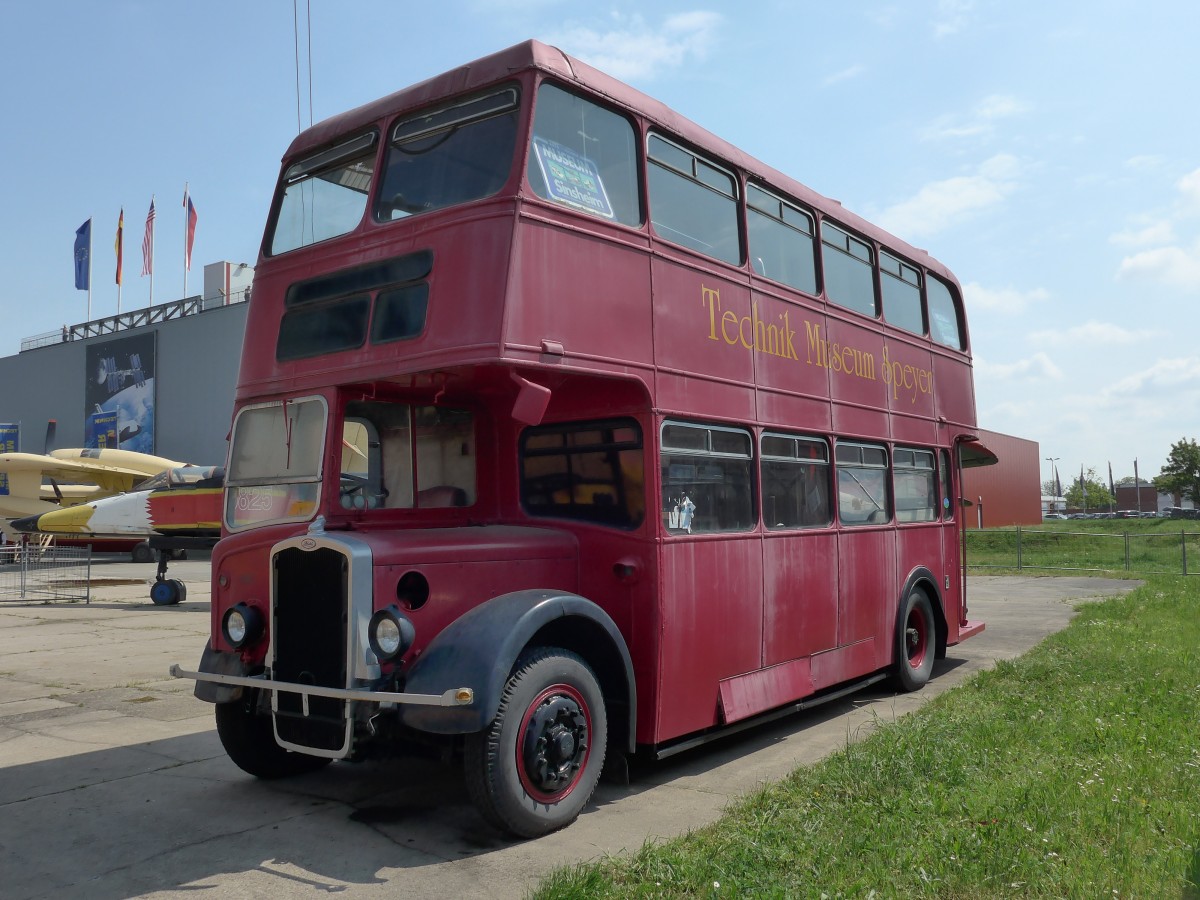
x=749 y=331
x=778 y=339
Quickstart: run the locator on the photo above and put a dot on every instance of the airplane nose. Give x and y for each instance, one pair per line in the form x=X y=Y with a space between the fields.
x=69 y=519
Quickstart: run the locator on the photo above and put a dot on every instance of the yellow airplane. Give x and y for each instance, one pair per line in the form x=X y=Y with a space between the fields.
x=39 y=483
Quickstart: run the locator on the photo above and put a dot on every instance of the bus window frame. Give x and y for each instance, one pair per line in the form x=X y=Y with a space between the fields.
x=699 y=163
x=826 y=481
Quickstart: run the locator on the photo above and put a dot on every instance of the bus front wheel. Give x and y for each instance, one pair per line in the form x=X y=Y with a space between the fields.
x=250 y=742
x=916 y=642
x=534 y=768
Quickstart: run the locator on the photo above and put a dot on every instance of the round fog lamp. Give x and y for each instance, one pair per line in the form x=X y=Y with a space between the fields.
x=241 y=625
x=390 y=633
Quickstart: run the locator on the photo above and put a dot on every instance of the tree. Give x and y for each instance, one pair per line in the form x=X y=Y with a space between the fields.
x=1181 y=473
x=1096 y=496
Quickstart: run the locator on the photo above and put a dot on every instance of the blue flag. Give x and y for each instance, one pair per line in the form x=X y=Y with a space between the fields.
x=83 y=252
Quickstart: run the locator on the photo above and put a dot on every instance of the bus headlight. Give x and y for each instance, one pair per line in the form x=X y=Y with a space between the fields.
x=241 y=625
x=390 y=633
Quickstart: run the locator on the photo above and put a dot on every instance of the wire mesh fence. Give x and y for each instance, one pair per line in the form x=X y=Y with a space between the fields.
x=1159 y=553
x=32 y=571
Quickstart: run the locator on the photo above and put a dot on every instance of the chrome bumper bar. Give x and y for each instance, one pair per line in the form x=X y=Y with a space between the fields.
x=454 y=697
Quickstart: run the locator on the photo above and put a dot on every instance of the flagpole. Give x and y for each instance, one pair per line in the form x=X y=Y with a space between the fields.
x=185 y=231
x=152 y=253
x=89 y=316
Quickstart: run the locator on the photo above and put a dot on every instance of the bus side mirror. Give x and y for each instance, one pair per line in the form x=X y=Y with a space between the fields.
x=532 y=400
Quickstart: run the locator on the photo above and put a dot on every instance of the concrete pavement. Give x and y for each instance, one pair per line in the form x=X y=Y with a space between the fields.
x=113 y=783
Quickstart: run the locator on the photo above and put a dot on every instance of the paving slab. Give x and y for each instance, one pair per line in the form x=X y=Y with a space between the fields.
x=113 y=783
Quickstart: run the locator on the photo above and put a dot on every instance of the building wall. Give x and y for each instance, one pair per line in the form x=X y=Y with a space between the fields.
x=196 y=364
x=1010 y=491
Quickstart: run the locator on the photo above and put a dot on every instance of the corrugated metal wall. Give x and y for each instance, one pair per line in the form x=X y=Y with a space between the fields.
x=1010 y=491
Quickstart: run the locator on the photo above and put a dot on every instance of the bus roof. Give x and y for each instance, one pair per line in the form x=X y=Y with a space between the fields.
x=533 y=54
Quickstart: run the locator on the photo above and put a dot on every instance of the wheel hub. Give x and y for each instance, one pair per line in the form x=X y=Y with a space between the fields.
x=555 y=743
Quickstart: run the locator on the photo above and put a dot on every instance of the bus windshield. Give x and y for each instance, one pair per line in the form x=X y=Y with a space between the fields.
x=275 y=463
x=449 y=155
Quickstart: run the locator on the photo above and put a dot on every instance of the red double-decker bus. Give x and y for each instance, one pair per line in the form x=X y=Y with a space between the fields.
x=565 y=429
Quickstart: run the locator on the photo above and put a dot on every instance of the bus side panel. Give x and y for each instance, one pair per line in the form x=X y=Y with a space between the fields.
x=800 y=594
x=786 y=363
x=907 y=373
x=921 y=545
x=703 y=342
x=585 y=292
x=854 y=357
x=868 y=584
x=955 y=395
x=712 y=617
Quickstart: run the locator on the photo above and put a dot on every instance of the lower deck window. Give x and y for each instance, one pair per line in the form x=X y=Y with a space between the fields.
x=862 y=471
x=795 y=482
x=590 y=471
x=916 y=486
x=707 y=481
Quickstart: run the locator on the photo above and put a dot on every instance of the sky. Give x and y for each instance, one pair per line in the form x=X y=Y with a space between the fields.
x=1048 y=153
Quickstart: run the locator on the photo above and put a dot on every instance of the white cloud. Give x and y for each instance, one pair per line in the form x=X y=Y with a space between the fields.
x=1093 y=334
x=1172 y=266
x=1189 y=187
x=1038 y=366
x=1144 y=161
x=1008 y=300
x=951 y=17
x=637 y=49
x=979 y=121
x=941 y=204
x=844 y=75
x=1154 y=233
x=1165 y=376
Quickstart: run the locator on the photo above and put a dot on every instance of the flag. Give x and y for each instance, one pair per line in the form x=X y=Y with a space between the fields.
x=148 y=243
x=191 y=229
x=1057 y=484
x=83 y=252
x=1111 y=487
x=119 y=244
x=1083 y=485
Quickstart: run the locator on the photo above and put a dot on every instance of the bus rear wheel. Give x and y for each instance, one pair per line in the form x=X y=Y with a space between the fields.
x=249 y=741
x=916 y=642
x=534 y=768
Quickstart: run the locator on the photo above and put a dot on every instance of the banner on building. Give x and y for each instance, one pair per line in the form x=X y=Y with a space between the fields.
x=10 y=440
x=120 y=383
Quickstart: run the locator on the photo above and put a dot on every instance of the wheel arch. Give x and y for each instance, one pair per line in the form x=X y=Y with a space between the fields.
x=924 y=580
x=479 y=650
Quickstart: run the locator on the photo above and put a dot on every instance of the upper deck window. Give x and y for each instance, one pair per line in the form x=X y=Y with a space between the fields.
x=324 y=195
x=849 y=270
x=584 y=156
x=449 y=155
x=943 y=315
x=781 y=240
x=693 y=202
x=901 y=284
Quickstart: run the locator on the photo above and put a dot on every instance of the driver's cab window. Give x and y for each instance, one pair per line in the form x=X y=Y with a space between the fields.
x=395 y=456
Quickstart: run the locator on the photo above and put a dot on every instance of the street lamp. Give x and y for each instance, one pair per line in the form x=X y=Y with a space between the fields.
x=1053 y=481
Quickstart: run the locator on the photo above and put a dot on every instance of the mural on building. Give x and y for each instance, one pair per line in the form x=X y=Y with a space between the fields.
x=119 y=394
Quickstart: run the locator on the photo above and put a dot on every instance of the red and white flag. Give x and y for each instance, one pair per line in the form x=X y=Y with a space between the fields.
x=191 y=230
x=148 y=242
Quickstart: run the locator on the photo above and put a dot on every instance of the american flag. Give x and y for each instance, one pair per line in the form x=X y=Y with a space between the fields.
x=148 y=242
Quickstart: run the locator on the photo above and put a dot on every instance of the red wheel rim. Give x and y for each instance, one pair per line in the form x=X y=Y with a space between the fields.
x=916 y=638
x=554 y=743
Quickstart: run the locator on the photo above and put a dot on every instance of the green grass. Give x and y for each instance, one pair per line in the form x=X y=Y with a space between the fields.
x=1072 y=771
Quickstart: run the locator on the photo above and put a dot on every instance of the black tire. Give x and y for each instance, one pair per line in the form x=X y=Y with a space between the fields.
x=916 y=642
x=533 y=770
x=250 y=742
x=141 y=553
x=168 y=592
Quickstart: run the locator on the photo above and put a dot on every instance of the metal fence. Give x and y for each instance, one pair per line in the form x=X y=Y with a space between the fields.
x=32 y=571
x=1163 y=553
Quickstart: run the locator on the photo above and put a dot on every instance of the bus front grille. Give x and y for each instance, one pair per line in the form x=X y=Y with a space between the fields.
x=309 y=616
